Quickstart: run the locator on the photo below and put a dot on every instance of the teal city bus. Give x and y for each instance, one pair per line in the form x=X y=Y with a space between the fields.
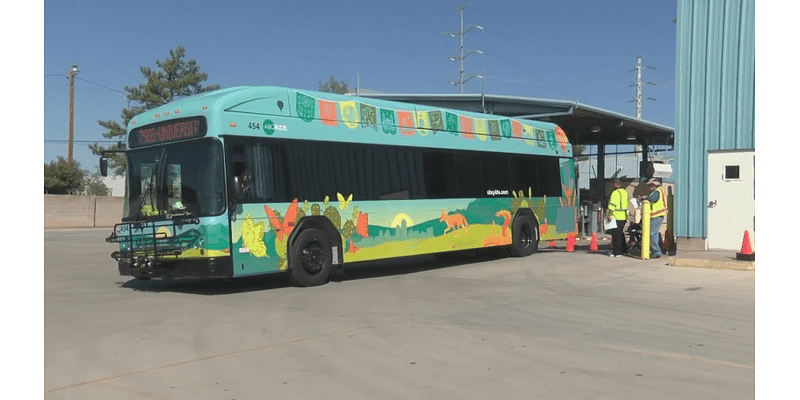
x=256 y=180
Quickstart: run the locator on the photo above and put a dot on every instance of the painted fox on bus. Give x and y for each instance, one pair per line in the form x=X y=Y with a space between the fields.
x=454 y=222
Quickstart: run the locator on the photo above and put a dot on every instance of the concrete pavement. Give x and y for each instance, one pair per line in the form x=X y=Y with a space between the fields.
x=554 y=325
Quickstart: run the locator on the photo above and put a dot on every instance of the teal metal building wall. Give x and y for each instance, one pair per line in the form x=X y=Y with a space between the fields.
x=714 y=98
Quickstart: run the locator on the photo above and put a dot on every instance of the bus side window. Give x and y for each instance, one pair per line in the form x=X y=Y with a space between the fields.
x=550 y=177
x=495 y=173
x=239 y=167
x=468 y=175
x=252 y=162
x=439 y=171
x=525 y=174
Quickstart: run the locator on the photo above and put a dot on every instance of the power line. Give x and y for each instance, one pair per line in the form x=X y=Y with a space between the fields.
x=65 y=88
x=104 y=87
x=60 y=141
x=90 y=82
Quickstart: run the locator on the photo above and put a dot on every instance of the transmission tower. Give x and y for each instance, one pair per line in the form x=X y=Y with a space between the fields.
x=461 y=52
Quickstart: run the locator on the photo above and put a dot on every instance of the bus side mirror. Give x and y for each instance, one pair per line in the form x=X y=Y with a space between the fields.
x=103 y=166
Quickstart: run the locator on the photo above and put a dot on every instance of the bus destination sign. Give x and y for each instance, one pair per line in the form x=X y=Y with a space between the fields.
x=168 y=131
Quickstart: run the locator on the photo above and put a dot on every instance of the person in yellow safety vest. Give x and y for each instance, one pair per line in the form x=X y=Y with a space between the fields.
x=658 y=210
x=618 y=210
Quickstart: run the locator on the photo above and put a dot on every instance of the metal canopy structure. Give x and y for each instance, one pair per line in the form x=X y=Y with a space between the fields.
x=583 y=124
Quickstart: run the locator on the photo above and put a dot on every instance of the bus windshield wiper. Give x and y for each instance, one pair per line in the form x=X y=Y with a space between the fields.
x=181 y=216
x=152 y=181
x=162 y=204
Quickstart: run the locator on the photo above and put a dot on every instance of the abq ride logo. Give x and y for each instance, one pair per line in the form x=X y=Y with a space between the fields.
x=270 y=127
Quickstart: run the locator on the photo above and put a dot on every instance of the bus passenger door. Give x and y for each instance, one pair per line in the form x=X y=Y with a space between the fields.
x=249 y=248
x=252 y=248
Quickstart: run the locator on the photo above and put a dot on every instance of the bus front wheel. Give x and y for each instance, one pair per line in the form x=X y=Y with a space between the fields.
x=310 y=259
x=524 y=240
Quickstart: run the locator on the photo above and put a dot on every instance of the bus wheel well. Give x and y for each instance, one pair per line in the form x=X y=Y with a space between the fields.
x=323 y=224
x=527 y=212
x=524 y=233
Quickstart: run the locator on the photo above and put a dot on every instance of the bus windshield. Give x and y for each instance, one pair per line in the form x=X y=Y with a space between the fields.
x=175 y=178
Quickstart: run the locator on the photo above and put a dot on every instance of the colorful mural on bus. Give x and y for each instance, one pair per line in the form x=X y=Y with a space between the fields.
x=256 y=234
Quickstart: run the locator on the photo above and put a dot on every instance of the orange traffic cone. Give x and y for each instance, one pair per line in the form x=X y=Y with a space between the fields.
x=747 y=253
x=570 y=243
x=593 y=243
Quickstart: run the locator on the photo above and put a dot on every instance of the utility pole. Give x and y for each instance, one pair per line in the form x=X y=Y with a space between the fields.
x=638 y=84
x=461 y=56
x=73 y=70
x=638 y=149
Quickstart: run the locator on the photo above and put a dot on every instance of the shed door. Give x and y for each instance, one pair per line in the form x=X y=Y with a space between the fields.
x=731 y=199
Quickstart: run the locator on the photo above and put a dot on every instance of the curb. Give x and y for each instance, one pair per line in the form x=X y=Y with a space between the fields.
x=684 y=259
x=677 y=261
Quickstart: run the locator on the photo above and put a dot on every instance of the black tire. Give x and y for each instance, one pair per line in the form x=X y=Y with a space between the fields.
x=524 y=237
x=310 y=259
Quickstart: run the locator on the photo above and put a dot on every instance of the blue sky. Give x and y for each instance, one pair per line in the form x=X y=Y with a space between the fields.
x=579 y=50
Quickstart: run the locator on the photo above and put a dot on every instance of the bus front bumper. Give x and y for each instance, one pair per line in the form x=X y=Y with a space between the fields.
x=150 y=267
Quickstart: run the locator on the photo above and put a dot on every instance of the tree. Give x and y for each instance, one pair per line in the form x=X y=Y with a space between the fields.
x=578 y=150
x=63 y=177
x=93 y=185
x=177 y=78
x=333 y=86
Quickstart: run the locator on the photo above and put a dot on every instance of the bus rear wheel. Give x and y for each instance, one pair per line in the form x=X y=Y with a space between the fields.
x=310 y=259
x=524 y=240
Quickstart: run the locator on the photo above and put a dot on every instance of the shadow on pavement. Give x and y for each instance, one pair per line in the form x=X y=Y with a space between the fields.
x=209 y=287
x=352 y=272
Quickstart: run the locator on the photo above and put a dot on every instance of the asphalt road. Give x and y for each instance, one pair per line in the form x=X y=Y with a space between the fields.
x=552 y=326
